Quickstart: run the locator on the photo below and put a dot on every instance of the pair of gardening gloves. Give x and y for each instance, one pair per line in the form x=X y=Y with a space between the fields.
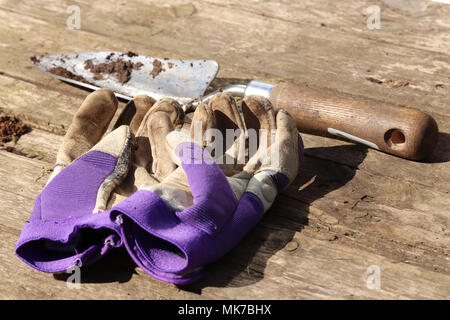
x=177 y=198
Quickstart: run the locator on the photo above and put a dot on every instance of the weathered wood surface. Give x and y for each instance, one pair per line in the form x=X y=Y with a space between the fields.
x=350 y=208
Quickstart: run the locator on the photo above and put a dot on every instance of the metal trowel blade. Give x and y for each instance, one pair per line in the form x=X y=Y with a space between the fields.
x=182 y=80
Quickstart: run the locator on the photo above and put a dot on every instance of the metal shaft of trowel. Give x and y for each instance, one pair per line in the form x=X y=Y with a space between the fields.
x=254 y=87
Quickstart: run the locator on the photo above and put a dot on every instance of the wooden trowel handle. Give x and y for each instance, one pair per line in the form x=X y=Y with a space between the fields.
x=405 y=132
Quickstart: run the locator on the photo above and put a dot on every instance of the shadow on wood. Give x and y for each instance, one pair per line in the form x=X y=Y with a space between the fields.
x=442 y=151
x=246 y=263
x=117 y=266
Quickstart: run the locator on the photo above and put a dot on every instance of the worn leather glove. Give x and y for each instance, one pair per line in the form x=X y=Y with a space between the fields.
x=70 y=224
x=197 y=214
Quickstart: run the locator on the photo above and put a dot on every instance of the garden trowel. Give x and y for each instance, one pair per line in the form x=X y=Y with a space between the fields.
x=398 y=130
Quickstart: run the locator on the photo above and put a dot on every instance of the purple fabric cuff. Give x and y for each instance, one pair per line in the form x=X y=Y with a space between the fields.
x=62 y=231
x=46 y=245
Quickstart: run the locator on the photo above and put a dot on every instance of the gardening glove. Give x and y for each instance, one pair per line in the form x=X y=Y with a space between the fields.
x=70 y=224
x=197 y=214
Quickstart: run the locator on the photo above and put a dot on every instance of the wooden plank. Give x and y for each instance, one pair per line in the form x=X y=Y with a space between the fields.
x=318 y=269
x=42 y=108
x=279 y=48
x=352 y=55
x=365 y=204
x=371 y=210
x=38 y=144
x=421 y=25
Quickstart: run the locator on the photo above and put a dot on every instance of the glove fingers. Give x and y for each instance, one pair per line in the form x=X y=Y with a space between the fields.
x=202 y=122
x=260 y=121
x=258 y=113
x=231 y=129
x=165 y=108
x=133 y=113
x=226 y=113
x=286 y=151
x=150 y=123
x=88 y=126
x=162 y=119
x=280 y=165
x=219 y=127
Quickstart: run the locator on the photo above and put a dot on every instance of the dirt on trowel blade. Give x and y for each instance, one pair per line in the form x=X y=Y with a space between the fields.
x=11 y=128
x=130 y=54
x=34 y=59
x=121 y=68
x=60 y=71
x=157 y=68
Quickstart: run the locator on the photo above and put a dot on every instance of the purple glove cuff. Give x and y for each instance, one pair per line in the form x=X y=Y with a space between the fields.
x=62 y=230
x=41 y=243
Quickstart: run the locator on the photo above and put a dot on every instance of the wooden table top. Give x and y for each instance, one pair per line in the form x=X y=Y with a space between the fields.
x=350 y=208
